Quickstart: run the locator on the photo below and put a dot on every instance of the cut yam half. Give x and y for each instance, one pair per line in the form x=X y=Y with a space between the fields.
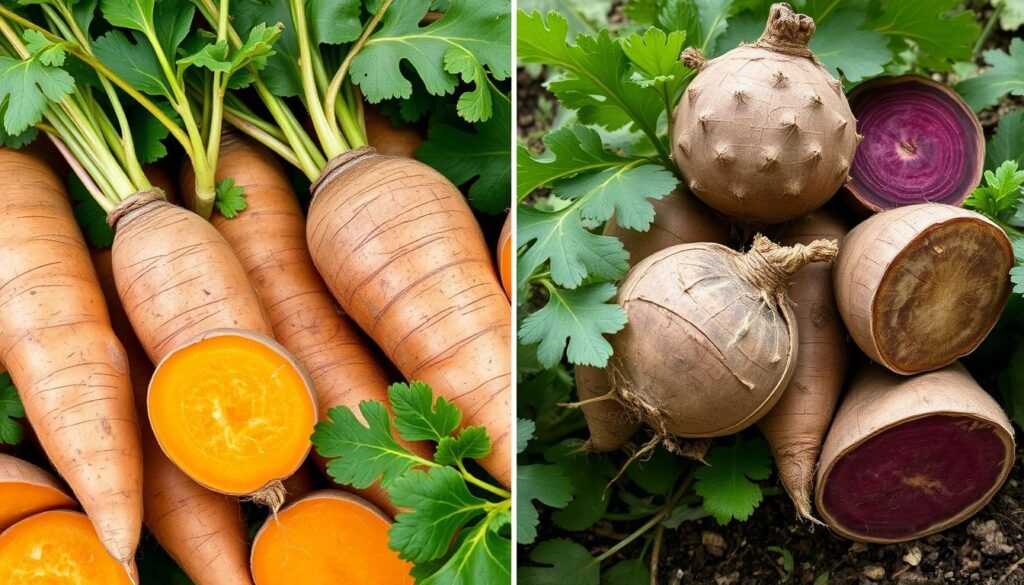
x=57 y=547
x=26 y=490
x=234 y=410
x=911 y=456
x=921 y=144
x=326 y=538
x=921 y=286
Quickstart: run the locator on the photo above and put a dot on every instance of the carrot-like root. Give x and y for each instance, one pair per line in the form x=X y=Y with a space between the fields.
x=911 y=456
x=795 y=427
x=180 y=283
x=679 y=219
x=57 y=343
x=505 y=256
x=325 y=538
x=921 y=286
x=203 y=531
x=26 y=490
x=388 y=139
x=58 y=546
x=269 y=238
x=403 y=254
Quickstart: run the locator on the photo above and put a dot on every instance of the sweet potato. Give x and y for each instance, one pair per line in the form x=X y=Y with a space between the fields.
x=26 y=490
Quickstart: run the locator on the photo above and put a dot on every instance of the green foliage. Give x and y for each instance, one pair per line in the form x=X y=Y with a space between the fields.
x=27 y=87
x=1007 y=142
x=574 y=320
x=454 y=526
x=727 y=482
x=92 y=220
x=563 y=563
x=230 y=199
x=1000 y=196
x=548 y=484
x=11 y=409
x=469 y=42
x=1005 y=75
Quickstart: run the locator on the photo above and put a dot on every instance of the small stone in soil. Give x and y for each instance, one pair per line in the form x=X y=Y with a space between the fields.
x=913 y=557
x=713 y=543
x=991 y=537
x=874 y=572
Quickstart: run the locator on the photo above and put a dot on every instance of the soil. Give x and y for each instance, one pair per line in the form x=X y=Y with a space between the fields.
x=988 y=549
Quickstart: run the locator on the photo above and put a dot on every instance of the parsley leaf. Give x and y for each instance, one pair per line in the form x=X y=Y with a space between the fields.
x=11 y=431
x=471 y=443
x=628 y=572
x=589 y=474
x=655 y=58
x=1007 y=143
x=470 y=39
x=1005 y=75
x=566 y=563
x=230 y=198
x=575 y=322
x=440 y=504
x=27 y=87
x=335 y=22
x=940 y=39
x=726 y=482
x=847 y=50
x=547 y=484
x=524 y=432
x=570 y=150
x=482 y=555
x=484 y=154
x=132 y=60
x=1001 y=196
x=573 y=252
x=359 y=454
x=416 y=419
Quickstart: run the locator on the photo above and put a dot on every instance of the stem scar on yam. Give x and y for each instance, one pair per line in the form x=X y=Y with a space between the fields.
x=795 y=427
x=302 y=544
x=203 y=531
x=922 y=144
x=234 y=410
x=57 y=546
x=26 y=490
x=269 y=239
x=404 y=256
x=57 y=343
x=921 y=286
x=911 y=456
x=711 y=341
x=764 y=133
x=679 y=218
x=180 y=282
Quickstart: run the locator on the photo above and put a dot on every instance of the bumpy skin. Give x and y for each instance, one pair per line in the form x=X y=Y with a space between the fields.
x=946 y=449
x=203 y=531
x=402 y=253
x=764 y=133
x=922 y=144
x=795 y=427
x=679 y=219
x=921 y=286
x=711 y=340
x=388 y=139
x=269 y=238
x=57 y=344
x=27 y=490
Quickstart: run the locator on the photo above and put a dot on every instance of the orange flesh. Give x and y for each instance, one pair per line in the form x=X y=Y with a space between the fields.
x=232 y=413
x=327 y=541
x=19 y=500
x=506 y=265
x=57 y=548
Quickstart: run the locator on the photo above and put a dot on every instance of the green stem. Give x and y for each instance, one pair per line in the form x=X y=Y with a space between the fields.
x=332 y=90
x=259 y=135
x=654 y=521
x=220 y=87
x=482 y=484
x=989 y=26
x=330 y=139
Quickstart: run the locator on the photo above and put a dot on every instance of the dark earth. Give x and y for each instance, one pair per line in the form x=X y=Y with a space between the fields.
x=988 y=549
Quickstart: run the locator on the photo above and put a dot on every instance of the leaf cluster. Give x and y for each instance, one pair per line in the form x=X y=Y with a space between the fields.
x=457 y=527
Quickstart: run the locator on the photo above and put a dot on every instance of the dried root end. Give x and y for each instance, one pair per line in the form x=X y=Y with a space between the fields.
x=769 y=265
x=271 y=495
x=787 y=32
x=694 y=59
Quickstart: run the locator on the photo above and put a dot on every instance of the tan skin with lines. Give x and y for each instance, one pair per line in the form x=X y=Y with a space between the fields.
x=57 y=343
x=203 y=531
x=404 y=256
x=269 y=239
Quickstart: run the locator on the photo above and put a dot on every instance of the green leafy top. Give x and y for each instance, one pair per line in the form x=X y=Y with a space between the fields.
x=444 y=502
x=11 y=431
x=725 y=482
x=1001 y=199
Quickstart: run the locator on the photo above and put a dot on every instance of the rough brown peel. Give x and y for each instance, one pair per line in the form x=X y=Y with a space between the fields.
x=679 y=218
x=764 y=132
x=921 y=286
x=911 y=456
x=796 y=426
x=711 y=340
